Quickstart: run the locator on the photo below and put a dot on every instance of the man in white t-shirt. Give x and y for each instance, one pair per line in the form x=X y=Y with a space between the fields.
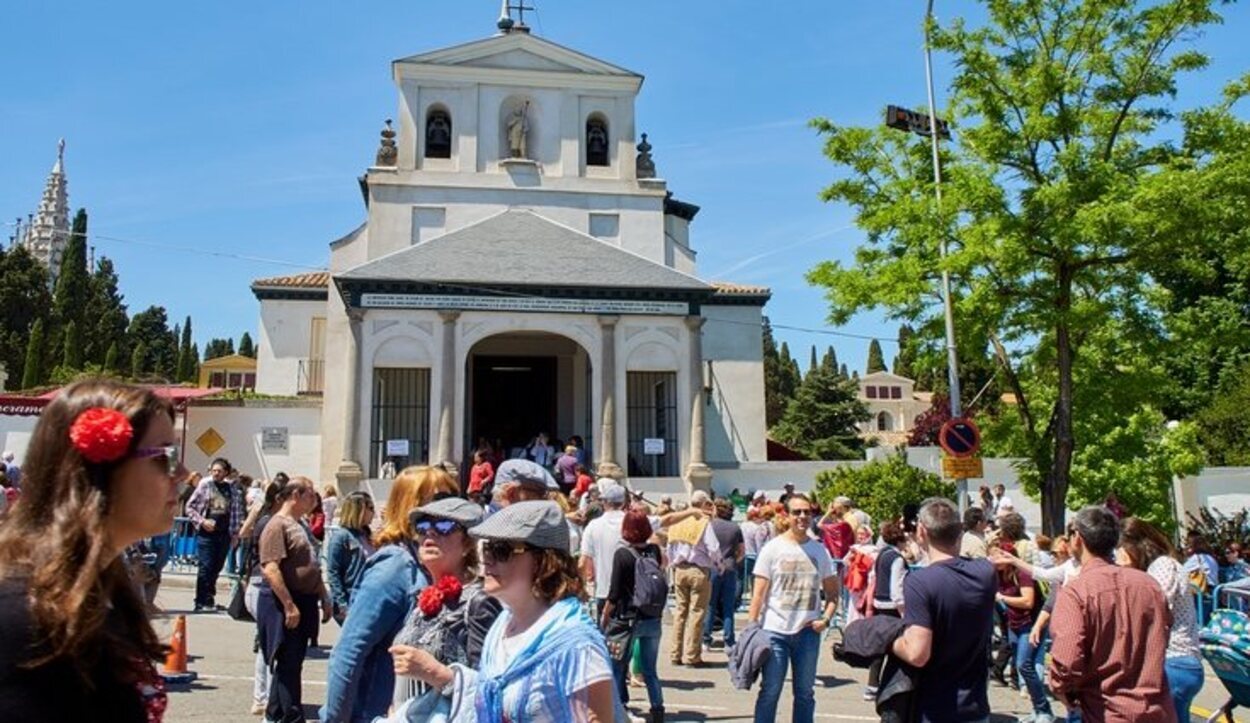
x=791 y=572
x=600 y=540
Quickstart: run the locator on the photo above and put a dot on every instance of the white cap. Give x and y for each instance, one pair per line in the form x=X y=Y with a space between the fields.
x=759 y=495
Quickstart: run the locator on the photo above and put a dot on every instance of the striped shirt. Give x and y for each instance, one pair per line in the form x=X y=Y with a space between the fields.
x=1110 y=631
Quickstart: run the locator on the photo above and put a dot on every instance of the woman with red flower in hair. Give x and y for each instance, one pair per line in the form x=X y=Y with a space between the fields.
x=102 y=473
x=452 y=615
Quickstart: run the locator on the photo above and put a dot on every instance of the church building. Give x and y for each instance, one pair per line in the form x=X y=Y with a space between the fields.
x=522 y=268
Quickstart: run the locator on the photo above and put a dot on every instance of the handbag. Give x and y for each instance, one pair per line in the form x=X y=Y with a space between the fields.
x=619 y=636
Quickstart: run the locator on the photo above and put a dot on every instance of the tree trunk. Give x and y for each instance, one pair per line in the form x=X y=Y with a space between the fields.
x=1055 y=489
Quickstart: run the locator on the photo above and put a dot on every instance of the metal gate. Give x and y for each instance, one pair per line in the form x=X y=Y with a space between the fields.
x=401 y=413
x=651 y=403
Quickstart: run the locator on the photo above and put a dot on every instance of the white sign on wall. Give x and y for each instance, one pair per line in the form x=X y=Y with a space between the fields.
x=275 y=440
x=522 y=303
x=653 y=445
x=396 y=448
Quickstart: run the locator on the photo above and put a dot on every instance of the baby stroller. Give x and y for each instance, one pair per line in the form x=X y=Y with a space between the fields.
x=1226 y=647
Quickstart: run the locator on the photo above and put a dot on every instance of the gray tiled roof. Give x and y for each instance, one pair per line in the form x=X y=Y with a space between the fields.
x=520 y=247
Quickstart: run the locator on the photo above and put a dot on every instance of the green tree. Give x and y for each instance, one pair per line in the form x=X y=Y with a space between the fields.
x=33 y=370
x=186 y=360
x=139 y=361
x=1224 y=425
x=820 y=420
x=791 y=378
x=105 y=319
x=71 y=340
x=829 y=362
x=905 y=358
x=246 y=346
x=882 y=487
x=1062 y=111
x=73 y=287
x=876 y=360
x=24 y=299
x=812 y=362
x=110 y=358
x=776 y=394
x=150 y=328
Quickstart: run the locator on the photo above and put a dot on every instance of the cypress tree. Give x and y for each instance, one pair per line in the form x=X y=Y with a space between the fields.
x=193 y=375
x=830 y=361
x=72 y=357
x=811 y=363
x=905 y=359
x=110 y=358
x=876 y=360
x=73 y=286
x=105 y=319
x=32 y=370
x=137 y=361
x=843 y=373
x=185 y=361
x=246 y=346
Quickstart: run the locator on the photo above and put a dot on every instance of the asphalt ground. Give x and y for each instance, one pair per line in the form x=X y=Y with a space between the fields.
x=220 y=651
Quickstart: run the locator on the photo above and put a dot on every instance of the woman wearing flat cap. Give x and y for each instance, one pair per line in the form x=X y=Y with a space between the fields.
x=451 y=616
x=543 y=660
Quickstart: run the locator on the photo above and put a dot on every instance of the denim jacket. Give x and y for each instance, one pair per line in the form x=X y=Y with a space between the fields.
x=345 y=563
x=361 y=679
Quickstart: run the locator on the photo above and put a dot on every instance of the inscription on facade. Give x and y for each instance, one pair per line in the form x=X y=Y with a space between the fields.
x=522 y=303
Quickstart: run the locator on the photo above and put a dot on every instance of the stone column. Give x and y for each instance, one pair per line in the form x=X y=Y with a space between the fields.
x=607 y=387
x=350 y=473
x=442 y=456
x=698 y=474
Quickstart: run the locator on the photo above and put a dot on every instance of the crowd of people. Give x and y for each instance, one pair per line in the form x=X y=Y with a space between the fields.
x=529 y=596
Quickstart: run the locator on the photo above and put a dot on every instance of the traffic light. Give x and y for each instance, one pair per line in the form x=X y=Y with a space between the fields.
x=909 y=120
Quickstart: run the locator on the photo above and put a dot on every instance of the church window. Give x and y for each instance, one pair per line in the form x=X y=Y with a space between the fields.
x=597 y=141
x=651 y=401
x=884 y=422
x=871 y=392
x=896 y=392
x=438 y=133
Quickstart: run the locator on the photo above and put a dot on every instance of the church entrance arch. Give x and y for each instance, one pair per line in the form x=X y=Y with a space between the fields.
x=521 y=383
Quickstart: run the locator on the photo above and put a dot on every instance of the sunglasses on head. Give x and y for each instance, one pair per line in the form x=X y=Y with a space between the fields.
x=442 y=528
x=171 y=454
x=503 y=550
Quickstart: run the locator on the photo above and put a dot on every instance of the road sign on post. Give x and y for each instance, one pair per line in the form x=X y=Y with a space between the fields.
x=960 y=437
x=962 y=468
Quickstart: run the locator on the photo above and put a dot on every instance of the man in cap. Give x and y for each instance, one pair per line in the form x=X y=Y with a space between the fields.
x=599 y=542
x=520 y=480
x=693 y=551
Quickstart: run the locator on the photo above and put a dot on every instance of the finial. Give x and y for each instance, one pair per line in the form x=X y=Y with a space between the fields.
x=506 y=24
x=505 y=19
x=60 y=157
x=388 y=154
x=644 y=166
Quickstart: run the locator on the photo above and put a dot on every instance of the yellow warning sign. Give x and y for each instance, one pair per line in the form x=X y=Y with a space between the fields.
x=962 y=467
x=210 y=442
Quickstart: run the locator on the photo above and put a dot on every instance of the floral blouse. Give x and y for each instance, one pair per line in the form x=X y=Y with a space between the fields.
x=453 y=634
x=1183 y=640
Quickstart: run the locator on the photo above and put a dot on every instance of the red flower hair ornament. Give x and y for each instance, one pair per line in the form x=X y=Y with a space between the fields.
x=101 y=434
x=434 y=598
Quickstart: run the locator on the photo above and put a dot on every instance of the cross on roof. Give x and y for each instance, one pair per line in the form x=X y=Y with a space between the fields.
x=505 y=14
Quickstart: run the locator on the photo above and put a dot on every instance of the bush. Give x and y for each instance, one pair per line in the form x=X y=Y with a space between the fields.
x=883 y=487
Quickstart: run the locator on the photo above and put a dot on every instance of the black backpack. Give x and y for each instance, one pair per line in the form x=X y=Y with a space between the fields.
x=650 y=586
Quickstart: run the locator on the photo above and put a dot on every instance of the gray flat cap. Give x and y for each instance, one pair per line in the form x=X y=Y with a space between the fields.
x=523 y=471
x=455 y=509
x=538 y=523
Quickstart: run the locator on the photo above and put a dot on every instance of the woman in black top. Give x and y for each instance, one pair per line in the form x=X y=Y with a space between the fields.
x=638 y=555
x=102 y=473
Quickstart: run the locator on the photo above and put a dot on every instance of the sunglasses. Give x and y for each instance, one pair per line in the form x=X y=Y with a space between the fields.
x=172 y=454
x=503 y=550
x=442 y=528
x=806 y=512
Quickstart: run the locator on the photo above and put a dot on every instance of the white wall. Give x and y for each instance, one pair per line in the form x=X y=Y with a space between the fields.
x=1223 y=489
x=241 y=429
x=285 y=333
x=15 y=434
x=735 y=426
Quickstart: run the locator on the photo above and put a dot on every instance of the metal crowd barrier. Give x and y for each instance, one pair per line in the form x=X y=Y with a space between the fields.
x=182 y=547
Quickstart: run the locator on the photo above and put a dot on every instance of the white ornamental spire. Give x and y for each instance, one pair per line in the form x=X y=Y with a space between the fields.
x=48 y=231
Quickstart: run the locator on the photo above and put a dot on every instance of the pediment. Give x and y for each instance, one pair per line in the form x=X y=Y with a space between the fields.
x=517 y=51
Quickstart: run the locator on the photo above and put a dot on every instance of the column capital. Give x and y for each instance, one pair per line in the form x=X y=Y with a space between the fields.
x=449 y=316
x=695 y=322
x=607 y=320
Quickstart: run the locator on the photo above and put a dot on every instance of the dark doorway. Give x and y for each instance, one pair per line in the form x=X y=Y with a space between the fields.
x=514 y=398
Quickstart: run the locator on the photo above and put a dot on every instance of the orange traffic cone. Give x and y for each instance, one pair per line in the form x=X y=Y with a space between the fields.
x=176 y=661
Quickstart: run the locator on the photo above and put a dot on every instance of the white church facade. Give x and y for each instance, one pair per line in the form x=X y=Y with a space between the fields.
x=521 y=269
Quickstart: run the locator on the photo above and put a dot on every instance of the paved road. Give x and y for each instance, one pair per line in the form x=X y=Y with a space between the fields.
x=221 y=653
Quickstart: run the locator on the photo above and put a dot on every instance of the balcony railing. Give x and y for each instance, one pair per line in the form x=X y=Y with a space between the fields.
x=312 y=376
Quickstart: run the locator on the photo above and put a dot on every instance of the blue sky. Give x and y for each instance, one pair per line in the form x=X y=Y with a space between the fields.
x=204 y=136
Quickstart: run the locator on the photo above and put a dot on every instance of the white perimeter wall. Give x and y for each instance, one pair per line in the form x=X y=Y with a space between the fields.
x=15 y=434
x=734 y=421
x=241 y=428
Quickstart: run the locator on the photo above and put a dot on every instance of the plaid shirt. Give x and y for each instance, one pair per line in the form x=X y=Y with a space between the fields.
x=197 y=506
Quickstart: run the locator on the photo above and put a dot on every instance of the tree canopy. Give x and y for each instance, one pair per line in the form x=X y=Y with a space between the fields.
x=820 y=420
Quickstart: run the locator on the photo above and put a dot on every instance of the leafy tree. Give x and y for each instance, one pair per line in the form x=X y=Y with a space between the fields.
x=24 y=297
x=882 y=488
x=925 y=431
x=105 y=319
x=32 y=370
x=150 y=329
x=876 y=360
x=1062 y=115
x=820 y=420
x=110 y=358
x=71 y=340
x=905 y=359
x=1224 y=425
x=138 y=361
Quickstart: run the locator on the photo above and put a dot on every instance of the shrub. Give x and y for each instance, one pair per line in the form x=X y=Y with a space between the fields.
x=882 y=487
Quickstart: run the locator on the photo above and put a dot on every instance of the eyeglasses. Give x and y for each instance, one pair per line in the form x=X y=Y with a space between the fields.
x=503 y=550
x=442 y=528
x=171 y=453
x=805 y=512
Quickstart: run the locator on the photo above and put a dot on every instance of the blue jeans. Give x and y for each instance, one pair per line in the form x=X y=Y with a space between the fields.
x=1029 y=661
x=210 y=552
x=800 y=650
x=723 y=604
x=647 y=637
x=746 y=579
x=1185 y=678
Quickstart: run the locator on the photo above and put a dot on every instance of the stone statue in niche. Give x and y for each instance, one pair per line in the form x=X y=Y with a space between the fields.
x=518 y=131
x=388 y=153
x=644 y=166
